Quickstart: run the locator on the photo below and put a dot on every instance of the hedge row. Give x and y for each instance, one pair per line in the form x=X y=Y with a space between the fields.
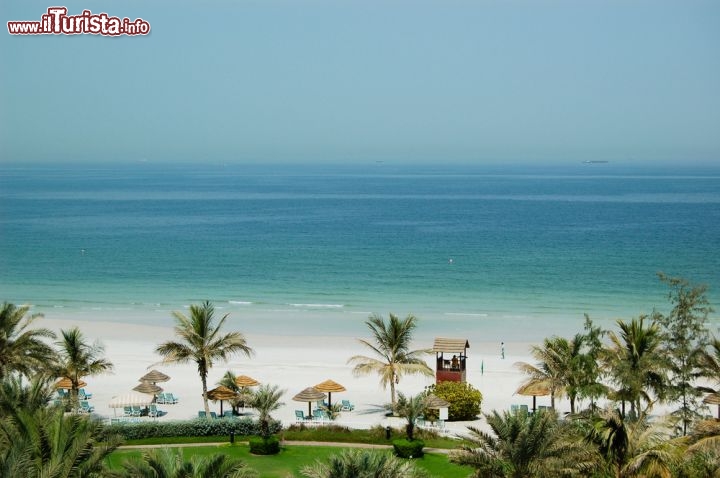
x=188 y=428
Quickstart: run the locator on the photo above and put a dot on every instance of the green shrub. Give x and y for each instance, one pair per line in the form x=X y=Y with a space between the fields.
x=264 y=446
x=408 y=449
x=464 y=399
x=188 y=428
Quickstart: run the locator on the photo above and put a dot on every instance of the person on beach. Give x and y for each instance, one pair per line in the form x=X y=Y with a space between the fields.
x=502 y=350
x=455 y=363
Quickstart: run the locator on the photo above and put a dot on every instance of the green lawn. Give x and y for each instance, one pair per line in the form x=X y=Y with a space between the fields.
x=292 y=458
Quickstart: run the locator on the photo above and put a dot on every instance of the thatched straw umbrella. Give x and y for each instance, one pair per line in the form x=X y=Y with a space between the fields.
x=154 y=376
x=149 y=388
x=329 y=386
x=66 y=383
x=713 y=399
x=433 y=401
x=221 y=393
x=245 y=381
x=534 y=390
x=310 y=394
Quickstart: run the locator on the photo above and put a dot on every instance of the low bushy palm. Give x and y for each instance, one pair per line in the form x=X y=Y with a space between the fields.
x=410 y=408
x=524 y=445
x=167 y=463
x=265 y=401
x=363 y=464
x=46 y=443
x=632 y=447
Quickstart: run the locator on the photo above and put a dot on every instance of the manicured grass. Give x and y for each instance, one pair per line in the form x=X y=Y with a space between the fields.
x=182 y=440
x=292 y=458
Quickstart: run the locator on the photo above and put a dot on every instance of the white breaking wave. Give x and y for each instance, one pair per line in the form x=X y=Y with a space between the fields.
x=464 y=314
x=239 y=302
x=320 y=306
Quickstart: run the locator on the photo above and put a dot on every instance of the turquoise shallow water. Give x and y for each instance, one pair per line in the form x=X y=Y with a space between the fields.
x=515 y=251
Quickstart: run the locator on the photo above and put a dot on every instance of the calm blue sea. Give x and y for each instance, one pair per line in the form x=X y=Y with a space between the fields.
x=501 y=252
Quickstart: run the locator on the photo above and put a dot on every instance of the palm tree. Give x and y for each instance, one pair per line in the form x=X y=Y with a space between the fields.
x=551 y=370
x=242 y=394
x=169 y=463
x=636 y=363
x=202 y=343
x=363 y=464
x=16 y=395
x=524 y=445
x=710 y=362
x=392 y=349
x=266 y=400
x=78 y=359
x=702 y=455
x=633 y=448
x=47 y=443
x=22 y=349
x=411 y=408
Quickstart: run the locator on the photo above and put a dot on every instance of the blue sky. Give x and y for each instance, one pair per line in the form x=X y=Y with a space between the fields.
x=446 y=80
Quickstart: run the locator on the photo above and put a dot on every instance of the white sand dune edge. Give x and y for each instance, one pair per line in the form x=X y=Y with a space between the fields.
x=293 y=363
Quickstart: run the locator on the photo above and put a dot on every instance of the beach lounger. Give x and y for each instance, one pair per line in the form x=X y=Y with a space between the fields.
x=83 y=395
x=300 y=416
x=136 y=411
x=153 y=411
x=213 y=415
x=347 y=406
x=524 y=408
x=171 y=399
x=320 y=415
x=85 y=407
x=127 y=411
x=228 y=414
x=160 y=399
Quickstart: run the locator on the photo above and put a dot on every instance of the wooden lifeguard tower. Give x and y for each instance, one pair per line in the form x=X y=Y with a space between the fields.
x=451 y=357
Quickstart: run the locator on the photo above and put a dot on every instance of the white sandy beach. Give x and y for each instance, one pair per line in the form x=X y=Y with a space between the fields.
x=293 y=363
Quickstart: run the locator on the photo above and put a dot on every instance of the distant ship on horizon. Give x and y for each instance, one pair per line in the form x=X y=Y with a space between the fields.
x=595 y=162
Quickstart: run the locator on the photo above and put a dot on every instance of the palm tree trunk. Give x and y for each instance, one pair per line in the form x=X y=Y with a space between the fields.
x=203 y=377
x=392 y=393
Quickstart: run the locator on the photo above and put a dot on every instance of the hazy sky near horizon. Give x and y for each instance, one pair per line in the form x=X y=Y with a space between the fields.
x=364 y=80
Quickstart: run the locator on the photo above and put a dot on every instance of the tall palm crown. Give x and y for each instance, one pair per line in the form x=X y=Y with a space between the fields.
x=22 y=349
x=202 y=342
x=77 y=359
x=553 y=366
x=636 y=362
x=391 y=345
